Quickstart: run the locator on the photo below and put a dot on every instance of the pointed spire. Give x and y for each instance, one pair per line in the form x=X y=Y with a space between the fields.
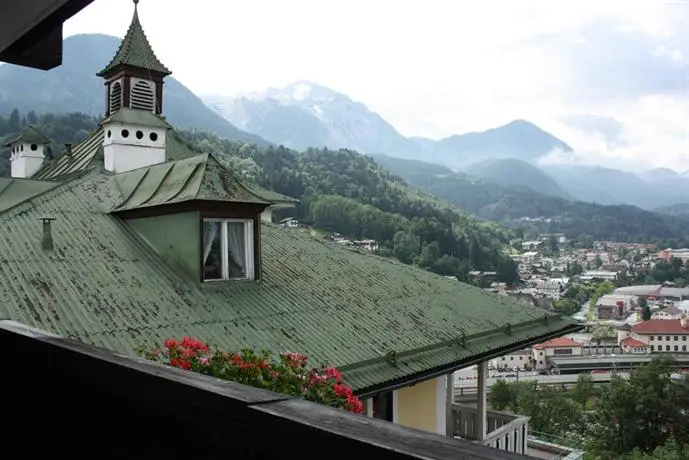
x=135 y=51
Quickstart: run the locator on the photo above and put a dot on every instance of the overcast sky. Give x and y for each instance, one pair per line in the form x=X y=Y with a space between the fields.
x=610 y=77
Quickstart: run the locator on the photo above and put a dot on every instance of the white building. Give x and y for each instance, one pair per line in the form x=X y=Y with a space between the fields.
x=663 y=335
x=667 y=313
x=290 y=222
x=519 y=359
x=600 y=274
x=561 y=346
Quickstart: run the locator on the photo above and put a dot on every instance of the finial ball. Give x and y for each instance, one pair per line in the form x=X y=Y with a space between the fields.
x=136 y=2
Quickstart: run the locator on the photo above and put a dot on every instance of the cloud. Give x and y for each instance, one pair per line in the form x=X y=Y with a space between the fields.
x=609 y=127
x=608 y=61
x=442 y=67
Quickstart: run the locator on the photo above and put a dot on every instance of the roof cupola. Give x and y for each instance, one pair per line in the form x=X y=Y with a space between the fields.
x=134 y=76
x=27 y=151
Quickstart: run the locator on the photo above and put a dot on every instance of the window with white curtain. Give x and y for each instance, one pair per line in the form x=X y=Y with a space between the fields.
x=228 y=249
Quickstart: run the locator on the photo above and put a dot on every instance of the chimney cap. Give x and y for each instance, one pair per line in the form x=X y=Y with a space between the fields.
x=46 y=219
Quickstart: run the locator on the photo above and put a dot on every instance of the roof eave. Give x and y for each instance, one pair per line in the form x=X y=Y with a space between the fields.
x=454 y=366
x=117 y=67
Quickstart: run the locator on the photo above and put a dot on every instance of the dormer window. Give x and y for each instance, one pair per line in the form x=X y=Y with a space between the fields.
x=228 y=249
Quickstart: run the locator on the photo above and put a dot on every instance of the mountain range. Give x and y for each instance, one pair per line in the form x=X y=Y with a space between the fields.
x=500 y=164
x=305 y=114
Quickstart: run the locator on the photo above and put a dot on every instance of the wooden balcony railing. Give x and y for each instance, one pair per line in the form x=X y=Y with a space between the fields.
x=504 y=431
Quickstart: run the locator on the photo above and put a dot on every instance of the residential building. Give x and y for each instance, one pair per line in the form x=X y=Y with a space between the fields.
x=667 y=313
x=369 y=245
x=669 y=253
x=560 y=346
x=662 y=335
x=624 y=331
x=289 y=222
x=561 y=238
x=521 y=359
x=631 y=345
x=615 y=306
x=528 y=257
x=599 y=275
x=136 y=236
x=531 y=245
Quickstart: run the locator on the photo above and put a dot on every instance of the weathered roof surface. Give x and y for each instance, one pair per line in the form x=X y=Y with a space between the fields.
x=137 y=117
x=135 y=51
x=176 y=148
x=273 y=197
x=13 y=191
x=80 y=160
x=199 y=177
x=29 y=134
x=104 y=285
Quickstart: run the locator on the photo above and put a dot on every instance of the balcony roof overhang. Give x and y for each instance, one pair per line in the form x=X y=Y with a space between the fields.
x=31 y=31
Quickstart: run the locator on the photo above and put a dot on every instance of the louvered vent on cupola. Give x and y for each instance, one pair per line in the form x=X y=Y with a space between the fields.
x=115 y=96
x=142 y=95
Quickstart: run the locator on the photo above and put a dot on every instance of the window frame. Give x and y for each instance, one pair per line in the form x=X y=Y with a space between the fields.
x=249 y=252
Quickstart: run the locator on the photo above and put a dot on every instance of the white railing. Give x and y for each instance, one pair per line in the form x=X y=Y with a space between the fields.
x=504 y=431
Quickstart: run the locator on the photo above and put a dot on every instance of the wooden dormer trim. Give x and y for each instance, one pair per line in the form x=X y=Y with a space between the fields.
x=230 y=210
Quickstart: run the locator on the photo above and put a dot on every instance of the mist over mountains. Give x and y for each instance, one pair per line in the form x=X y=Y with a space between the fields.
x=304 y=114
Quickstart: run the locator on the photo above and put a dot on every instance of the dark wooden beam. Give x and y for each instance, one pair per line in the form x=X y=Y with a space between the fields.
x=41 y=46
x=43 y=54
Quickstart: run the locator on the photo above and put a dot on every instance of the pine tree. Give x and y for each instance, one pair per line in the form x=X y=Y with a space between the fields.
x=15 y=121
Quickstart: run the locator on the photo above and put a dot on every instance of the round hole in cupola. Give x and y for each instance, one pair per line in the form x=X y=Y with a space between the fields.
x=139 y=135
x=125 y=133
x=153 y=136
x=34 y=147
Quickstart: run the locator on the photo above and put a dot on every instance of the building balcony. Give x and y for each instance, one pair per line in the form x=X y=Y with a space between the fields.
x=504 y=431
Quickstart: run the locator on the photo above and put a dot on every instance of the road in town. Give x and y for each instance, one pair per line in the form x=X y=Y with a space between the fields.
x=581 y=314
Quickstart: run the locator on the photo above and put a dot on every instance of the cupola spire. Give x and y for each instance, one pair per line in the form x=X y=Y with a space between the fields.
x=134 y=76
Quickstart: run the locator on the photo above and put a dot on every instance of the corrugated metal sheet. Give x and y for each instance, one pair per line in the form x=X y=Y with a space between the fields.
x=81 y=158
x=200 y=177
x=14 y=191
x=103 y=285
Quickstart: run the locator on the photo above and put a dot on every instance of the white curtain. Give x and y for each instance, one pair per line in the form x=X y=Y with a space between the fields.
x=209 y=234
x=235 y=241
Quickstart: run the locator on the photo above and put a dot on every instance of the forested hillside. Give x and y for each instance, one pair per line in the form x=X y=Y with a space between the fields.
x=341 y=191
x=539 y=213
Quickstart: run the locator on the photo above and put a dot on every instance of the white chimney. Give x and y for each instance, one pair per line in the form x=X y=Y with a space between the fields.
x=27 y=152
x=684 y=322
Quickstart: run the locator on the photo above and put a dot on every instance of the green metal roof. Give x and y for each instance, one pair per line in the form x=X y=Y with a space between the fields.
x=135 y=51
x=196 y=178
x=104 y=285
x=14 y=191
x=137 y=117
x=176 y=148
x=273 y=197
x=29 y=135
